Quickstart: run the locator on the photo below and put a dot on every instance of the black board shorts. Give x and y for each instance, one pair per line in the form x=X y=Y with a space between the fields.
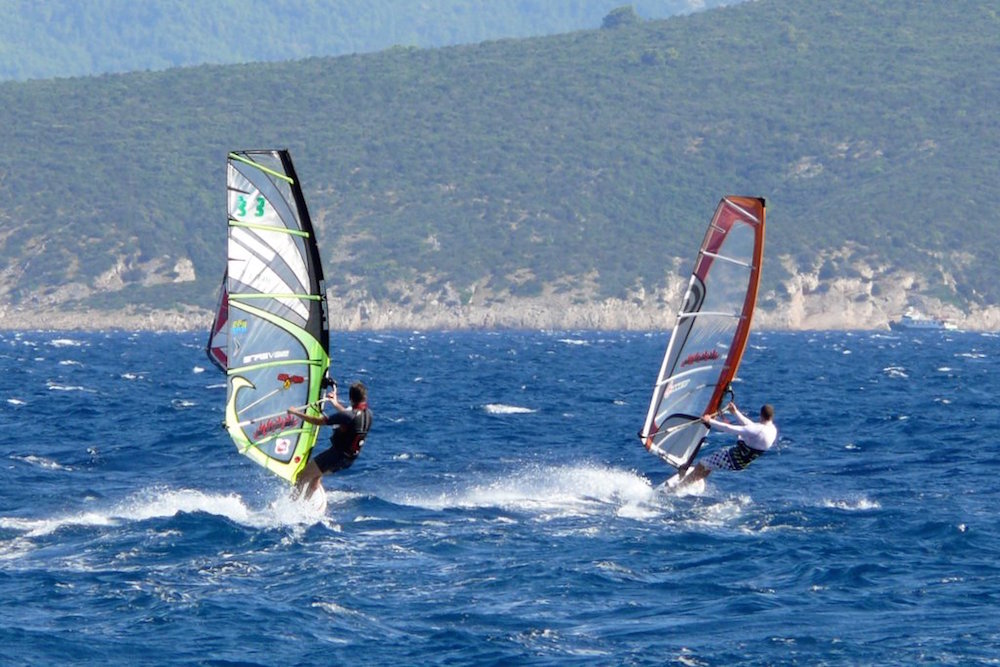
x=334 y=459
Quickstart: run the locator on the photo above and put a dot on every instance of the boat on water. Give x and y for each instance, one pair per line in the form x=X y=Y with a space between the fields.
x=918 y=322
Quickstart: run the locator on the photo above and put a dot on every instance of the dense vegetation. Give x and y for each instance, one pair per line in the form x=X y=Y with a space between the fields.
x=869 y=123
x=57 y=38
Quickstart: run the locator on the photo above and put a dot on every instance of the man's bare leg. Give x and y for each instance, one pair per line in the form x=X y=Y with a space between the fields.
x=699 y=473
x=309 y=480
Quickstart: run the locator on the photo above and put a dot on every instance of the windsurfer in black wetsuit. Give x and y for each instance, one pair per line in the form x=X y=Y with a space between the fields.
x=351 y=426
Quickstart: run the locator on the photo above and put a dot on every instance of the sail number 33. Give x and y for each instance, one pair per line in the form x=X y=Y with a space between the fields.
x=241 y=206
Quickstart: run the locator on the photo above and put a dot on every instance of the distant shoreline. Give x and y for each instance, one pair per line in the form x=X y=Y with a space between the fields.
x=509 y=317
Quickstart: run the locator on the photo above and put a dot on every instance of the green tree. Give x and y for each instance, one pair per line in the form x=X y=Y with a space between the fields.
x=622 y=16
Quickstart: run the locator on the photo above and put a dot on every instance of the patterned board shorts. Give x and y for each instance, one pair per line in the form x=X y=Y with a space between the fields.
x=737 y=457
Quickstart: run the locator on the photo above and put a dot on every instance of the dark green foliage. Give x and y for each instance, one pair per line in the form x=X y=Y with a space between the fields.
x=869 y=123
x=622 y=16
x=56 y=38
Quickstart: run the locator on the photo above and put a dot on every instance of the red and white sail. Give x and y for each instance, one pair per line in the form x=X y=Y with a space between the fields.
x=710 y=332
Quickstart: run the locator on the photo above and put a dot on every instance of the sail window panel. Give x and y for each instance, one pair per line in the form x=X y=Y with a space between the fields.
x=727 y=283
x=258 y=342
x=257 y=270
x=265 y=281
x=679 y=394
x=277 y=249
x=701 y=341
x=272 y=431
x=706 y=348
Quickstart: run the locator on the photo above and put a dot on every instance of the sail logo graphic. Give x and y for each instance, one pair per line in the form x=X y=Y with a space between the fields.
x=282 y=446
x=675 y=386
x=698 y=357
x=275 y=424
x=265 y=356
x=239 y=327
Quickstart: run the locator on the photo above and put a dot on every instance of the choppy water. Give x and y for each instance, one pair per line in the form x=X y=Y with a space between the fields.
x=503 y=511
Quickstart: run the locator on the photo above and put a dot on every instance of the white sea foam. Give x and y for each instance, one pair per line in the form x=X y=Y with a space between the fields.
x=690 y=489
x=41 y=462
x=723 y=512
x=851 y=505
x=65 y=342
x=550 y=492
x=167 y=503
x=53 y=386
x=501 y=409
x=335 y=609
x=15 y=401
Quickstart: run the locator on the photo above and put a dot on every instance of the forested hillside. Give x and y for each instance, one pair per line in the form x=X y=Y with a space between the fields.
x=514 y=166
x=60 y=38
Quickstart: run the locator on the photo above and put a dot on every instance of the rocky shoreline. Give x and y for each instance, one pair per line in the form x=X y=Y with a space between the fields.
x=634 y=314
x=805 y=301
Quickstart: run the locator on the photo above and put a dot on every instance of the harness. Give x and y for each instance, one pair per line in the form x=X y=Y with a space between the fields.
x=362 y=422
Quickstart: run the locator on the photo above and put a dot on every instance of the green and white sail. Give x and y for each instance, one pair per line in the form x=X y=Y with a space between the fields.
x=276 y=328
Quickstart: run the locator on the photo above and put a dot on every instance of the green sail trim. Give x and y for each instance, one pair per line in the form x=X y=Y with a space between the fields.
x=275 y=321
x=318 y=361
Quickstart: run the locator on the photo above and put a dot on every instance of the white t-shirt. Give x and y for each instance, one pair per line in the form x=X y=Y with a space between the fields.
x=757 y=436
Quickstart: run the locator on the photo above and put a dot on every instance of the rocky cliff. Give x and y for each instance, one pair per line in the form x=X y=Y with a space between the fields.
x=808 y=300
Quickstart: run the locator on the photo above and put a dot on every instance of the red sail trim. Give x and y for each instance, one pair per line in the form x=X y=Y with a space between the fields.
x=218 y=336
x=733 y=210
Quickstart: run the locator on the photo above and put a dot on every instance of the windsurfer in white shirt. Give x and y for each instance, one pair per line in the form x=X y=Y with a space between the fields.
x=752 y=440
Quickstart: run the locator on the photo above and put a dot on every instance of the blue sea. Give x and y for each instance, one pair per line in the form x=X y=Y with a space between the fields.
x=503 y=511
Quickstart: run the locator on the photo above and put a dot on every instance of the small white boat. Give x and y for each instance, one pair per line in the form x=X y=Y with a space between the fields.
x=918 y=322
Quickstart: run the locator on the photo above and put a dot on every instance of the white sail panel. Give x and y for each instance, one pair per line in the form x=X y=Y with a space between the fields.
x=256 y=261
